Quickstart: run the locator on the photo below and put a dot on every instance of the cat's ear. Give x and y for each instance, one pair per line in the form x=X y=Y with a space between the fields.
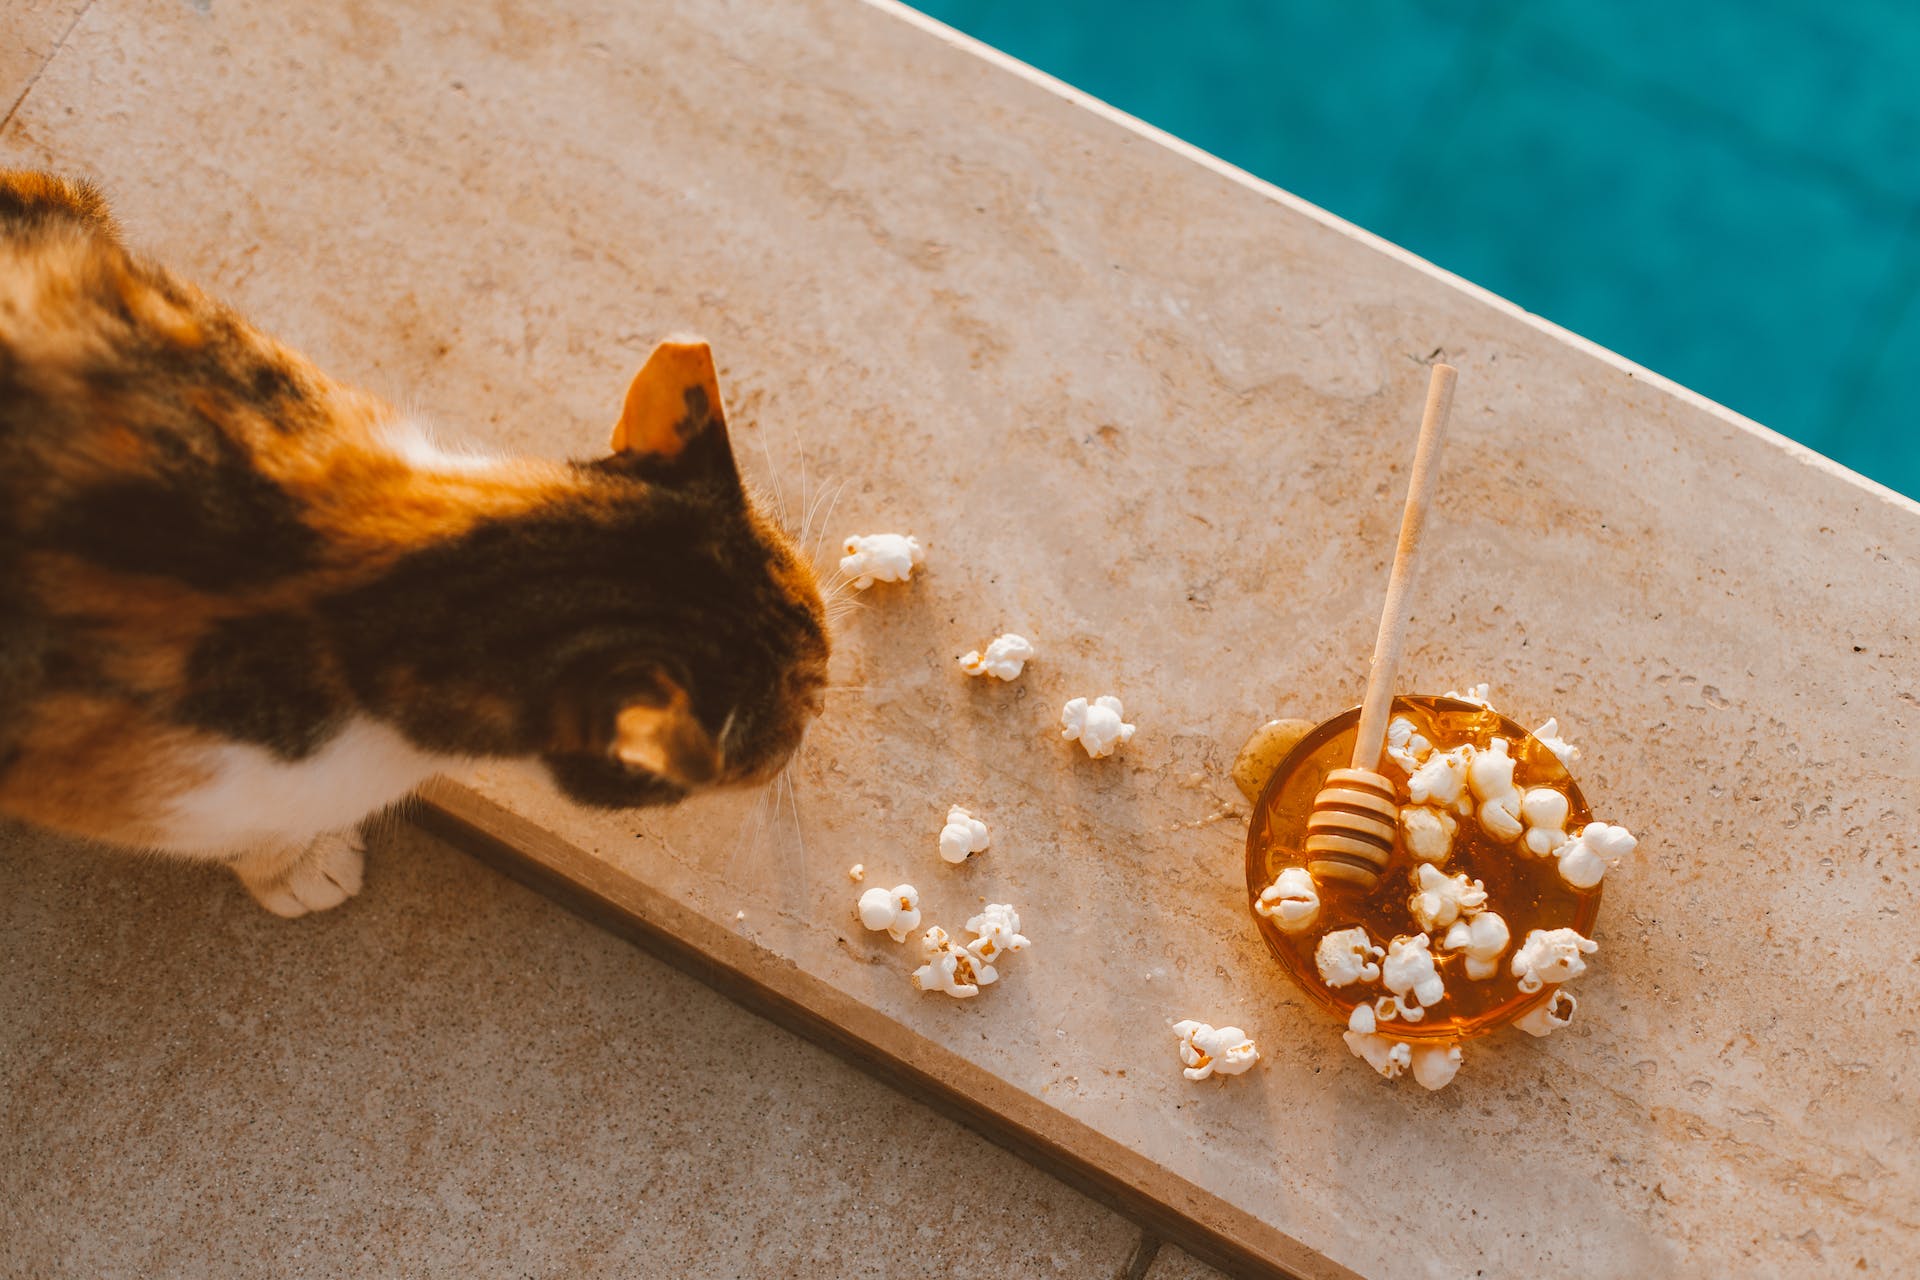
x=656 y=730
x=672 y=421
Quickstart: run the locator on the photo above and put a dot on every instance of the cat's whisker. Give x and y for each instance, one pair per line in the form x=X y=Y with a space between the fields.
x=838 y=609
x=773 y=475
x=806 y=524
x=806 y=487
x=752 y=833
x=799 y=836
x=826 y=524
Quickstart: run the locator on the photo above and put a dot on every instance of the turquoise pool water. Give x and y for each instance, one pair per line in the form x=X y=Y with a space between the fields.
x=1727 y=192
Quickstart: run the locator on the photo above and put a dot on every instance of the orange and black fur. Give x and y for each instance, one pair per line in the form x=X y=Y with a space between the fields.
x=243 y=605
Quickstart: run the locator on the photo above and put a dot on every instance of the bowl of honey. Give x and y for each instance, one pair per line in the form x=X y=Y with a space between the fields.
x=1529 y=891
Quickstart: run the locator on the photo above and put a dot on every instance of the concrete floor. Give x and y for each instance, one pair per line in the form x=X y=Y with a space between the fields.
x=450 y=1073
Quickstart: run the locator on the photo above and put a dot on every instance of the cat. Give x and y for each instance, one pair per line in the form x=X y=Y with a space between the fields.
x=243 y=606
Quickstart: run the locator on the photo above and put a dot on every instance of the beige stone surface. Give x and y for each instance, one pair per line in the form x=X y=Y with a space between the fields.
x=1172 y=1263
x=33 y=31
x=449 y=1076
x=1152 y=416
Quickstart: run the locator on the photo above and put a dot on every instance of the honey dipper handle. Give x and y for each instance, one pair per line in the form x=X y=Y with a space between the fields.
x=1393 y=617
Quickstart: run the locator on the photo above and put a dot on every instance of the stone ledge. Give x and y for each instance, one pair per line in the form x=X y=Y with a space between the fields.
x=1150 y=413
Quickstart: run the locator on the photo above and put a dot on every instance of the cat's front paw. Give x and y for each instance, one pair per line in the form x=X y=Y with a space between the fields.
x=325 y=874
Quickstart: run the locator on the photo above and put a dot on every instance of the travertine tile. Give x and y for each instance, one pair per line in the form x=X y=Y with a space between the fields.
x=447 y=1075
x=1174 y=1263
x=32 y=32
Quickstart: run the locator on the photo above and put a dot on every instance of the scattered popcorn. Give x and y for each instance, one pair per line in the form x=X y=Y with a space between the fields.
x=1549 y=956
x=1545 y=1019
x=1443 y=899
x=897 y=910
x=857 y=872
x=1476 y=694
x=1584 y=860
x=739 y=915
x=1544 y=811
x=1491 y=777
x=1405 y=747
x=1442 y=780
x=1207 y=1051
x=996 y=932
x=949 y=968
x=881 y=557
x=1427 y=833
x=1549 y=737
x=1388 y=1057
x=1409 y=970
x=1347 y=956
x=1362 y=1020
x=1435 y=1065
x=963 y=836
x=1004 y=659
x=1483 y=938
x=1097 y=725
x=1292 y=901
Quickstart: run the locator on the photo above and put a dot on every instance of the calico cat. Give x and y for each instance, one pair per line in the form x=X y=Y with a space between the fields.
x=243 y=606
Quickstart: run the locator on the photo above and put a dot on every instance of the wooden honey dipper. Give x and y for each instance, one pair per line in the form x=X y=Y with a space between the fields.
x=1350 y=830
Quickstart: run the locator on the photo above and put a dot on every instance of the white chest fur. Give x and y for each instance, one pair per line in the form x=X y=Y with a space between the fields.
x=251 y=798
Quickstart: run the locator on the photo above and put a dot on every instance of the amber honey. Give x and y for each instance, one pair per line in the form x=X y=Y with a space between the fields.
x=1526 y=891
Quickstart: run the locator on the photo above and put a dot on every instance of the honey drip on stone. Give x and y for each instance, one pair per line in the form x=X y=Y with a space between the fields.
x=1526 y=891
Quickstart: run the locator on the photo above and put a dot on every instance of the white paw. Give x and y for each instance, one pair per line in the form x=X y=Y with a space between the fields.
x=326 y=875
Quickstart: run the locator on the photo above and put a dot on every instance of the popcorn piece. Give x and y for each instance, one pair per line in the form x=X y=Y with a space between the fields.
x=1476 y=694
x=1491 y=778
x=857 y=872
x=1387 y=1008
x=1435 y=1065
x=1405 y=747
x=1409 y=971
x=1388 y=1057
x=1292 y=901
x=1362 y=1020
x=1551 y=955
x=739 y=915
x=897 y=910
x=1483 y=938
x=1545 y=1019
x=951 y=969
x=1442 y=780
x=881 y=557
x=1427 y=833
x=1544 y=811
x=963 y=836
x=1004 y=659
x=1584 y=860
x=1443 y=899
x=1097 y=725
x=1549 y=737
x=1208 y=1051
x=996 y=932
x=1346 y=956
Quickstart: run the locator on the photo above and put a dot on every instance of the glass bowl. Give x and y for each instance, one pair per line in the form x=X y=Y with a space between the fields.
x=1526 y=891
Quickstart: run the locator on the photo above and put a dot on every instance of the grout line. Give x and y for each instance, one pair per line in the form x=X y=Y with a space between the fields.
x=45 y=62
x=1143 y=1255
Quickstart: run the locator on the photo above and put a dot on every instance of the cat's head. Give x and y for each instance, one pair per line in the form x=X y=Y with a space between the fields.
x=639 y=623
x=707 y=667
